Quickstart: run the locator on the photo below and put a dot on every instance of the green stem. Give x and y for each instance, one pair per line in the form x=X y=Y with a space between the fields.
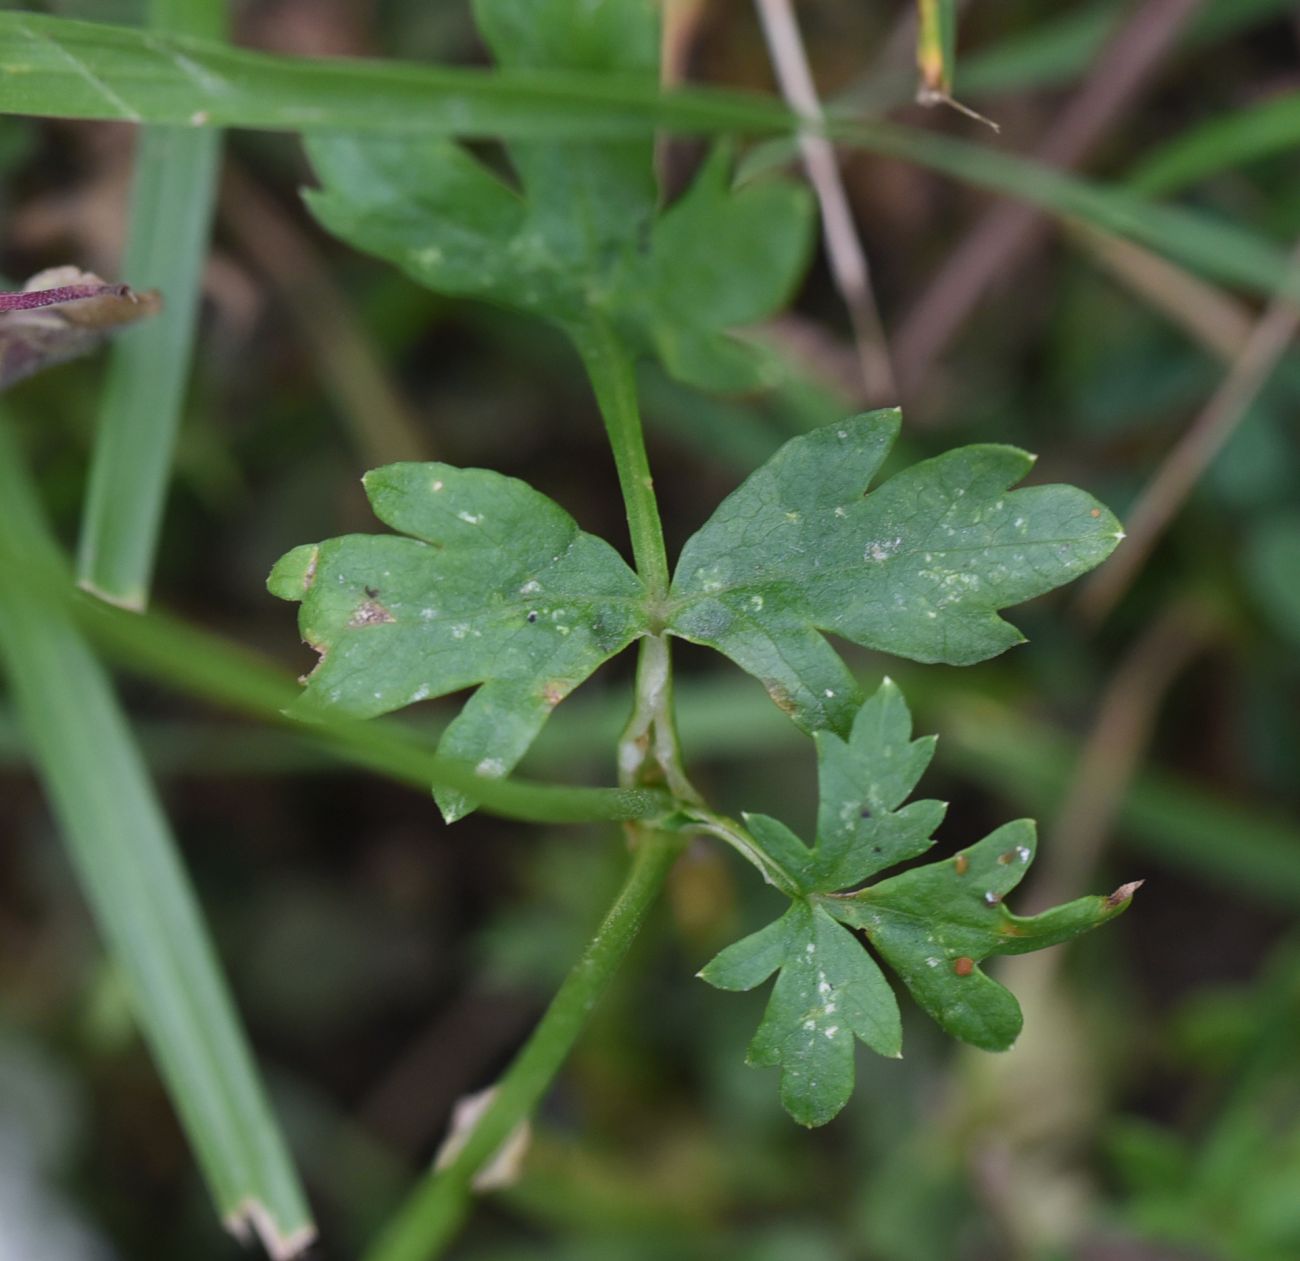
x=648 y=750
x=613 y=378
x=738 y=838
x=429 y=1220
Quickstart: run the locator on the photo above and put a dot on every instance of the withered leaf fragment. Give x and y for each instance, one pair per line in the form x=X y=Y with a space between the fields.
x=60 y=314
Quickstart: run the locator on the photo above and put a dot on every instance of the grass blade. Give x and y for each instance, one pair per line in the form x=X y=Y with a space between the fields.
x=127 y=863
x=173 y=200
x=1227 y=140
x=203 y=665
x=152 y=78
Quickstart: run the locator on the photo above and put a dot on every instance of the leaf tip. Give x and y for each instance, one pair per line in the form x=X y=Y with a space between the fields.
x=1122 y=895
x=252 y=1217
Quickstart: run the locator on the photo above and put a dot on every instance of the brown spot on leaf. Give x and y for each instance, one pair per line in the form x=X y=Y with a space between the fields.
x=780 y=697
x=1009 y=857
x=1096 y=512
x=554 y=692
x=964 y=965
x=370 y=613
x=1123 y=894
x=309 y=574
x=961 y=864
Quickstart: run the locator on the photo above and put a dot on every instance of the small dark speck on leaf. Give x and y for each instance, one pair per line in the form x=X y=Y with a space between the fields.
x=532 y=617
x=373 y=592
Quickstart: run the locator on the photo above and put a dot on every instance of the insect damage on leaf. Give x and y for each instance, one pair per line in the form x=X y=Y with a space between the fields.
x=582 y=236
x=932 y=924
x=489 y=585
x=919 y=565
x=61 y=314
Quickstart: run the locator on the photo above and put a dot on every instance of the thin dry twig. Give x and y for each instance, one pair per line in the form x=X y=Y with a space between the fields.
x=383 y=425
x=1008 y=231
x=1183 y=467
x=848 y=261
x=1211 y=317
x=1120 y=734
x=1033 y=1110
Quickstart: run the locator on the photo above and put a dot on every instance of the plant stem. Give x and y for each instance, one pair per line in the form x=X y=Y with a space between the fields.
x=648 y=753
x=612 y=373
x=648 y=750
x=434 y=1212
x=738 y=838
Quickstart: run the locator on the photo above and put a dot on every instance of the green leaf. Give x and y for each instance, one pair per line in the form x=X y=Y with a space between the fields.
x=919 y=566
x=862 y=783
x=580 y=238
x=491 y=585
x=829 y=990
x=932 y=924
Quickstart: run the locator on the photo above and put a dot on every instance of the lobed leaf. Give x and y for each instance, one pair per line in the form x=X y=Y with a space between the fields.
x=579 y=238
x=829 y=991
x=920 y=566
x=932 y=924
x=490 y=585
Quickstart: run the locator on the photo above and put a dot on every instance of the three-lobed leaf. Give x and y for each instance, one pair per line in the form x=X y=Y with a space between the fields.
x=490 y=585
x=918 y=566
x=829 y=991
x=580 y=238
x=933 y=924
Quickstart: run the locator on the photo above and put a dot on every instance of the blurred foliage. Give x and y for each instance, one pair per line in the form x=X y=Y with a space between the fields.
x=387 y=964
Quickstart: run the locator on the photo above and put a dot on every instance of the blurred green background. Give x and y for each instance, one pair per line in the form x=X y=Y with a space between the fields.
x=386 y=964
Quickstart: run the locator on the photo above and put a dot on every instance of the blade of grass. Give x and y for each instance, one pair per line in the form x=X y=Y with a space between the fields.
x=63 y=68
x=172 y=205
x=150 y=78
x=1162 y=813
x=202 y=664
x=126 y=859
x=1226 y=141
